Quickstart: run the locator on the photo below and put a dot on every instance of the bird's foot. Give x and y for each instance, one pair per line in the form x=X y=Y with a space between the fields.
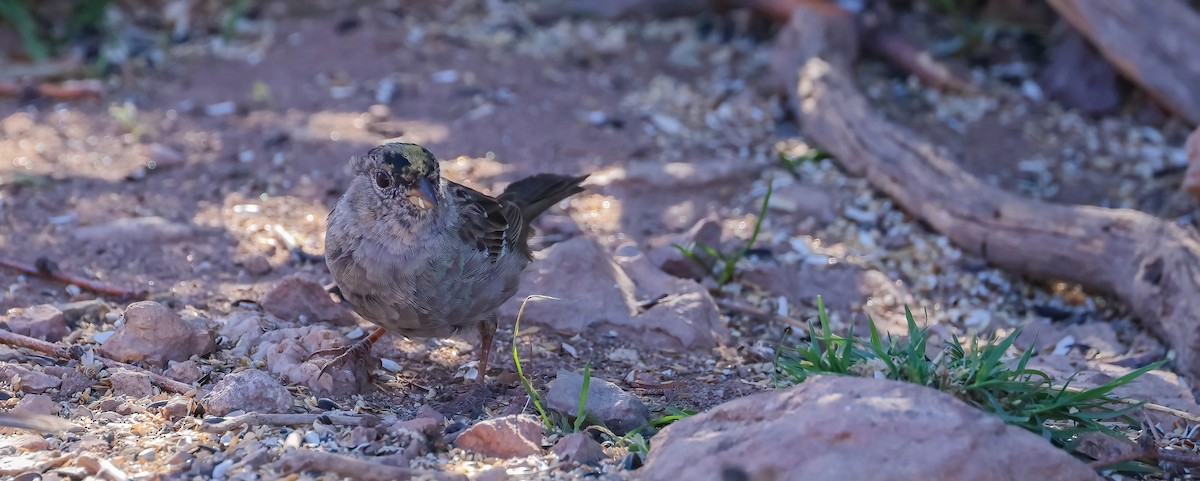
x=468 y=403
x=354 y=360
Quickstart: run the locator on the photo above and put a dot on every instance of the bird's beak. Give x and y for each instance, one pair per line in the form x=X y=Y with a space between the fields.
x=422 y=195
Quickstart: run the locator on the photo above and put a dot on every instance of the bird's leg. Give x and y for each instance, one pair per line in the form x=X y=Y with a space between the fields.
x=487 y=333
x=470 y=403
x=356 y=353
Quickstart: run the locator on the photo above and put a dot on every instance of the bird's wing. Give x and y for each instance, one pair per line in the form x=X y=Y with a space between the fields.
x=490 y=224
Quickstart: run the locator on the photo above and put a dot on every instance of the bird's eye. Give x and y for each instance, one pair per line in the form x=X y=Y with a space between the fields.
x=383 y=180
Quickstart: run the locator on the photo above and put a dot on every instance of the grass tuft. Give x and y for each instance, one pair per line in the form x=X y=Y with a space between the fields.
x=723 y=265
x=979 y=372
x=534 y=396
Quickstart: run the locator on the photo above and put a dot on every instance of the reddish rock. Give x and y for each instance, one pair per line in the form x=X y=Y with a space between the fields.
x=24 y=442
x=177 y=408
x=618 y=410
x=854 y=428
x=579 y=448
x=428 y=427
x=255 y=265
x=503 y=437
x=30 y=381
x=72 y=380
x=36 y=404
x=250 y=390
x=297 y=298
x=186 y=372
x=41 y=322
x=135 y=384
x=154 y=334
x=601 y=295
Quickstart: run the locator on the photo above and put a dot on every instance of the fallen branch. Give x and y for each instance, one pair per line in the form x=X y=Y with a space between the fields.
x=62 y=91
x=1151 y=265
x=360 y=469
x=48 y=269
x=76 y=352
x=219 y=424
x=1153 y=47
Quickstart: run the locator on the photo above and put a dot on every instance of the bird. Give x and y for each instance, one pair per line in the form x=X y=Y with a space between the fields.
x=421 y=256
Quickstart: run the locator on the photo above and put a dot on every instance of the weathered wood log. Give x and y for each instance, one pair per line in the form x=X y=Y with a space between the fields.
x=1152 y=44
x=1150 y=264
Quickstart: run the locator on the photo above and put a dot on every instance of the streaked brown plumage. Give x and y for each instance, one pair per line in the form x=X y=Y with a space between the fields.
x=425 y=257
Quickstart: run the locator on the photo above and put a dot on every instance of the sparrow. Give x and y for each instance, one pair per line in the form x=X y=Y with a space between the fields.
x=421 y=256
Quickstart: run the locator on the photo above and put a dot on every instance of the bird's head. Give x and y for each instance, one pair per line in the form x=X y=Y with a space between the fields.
x=404 y=176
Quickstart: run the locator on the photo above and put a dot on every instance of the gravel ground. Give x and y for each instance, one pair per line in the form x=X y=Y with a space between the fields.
x=240 y=147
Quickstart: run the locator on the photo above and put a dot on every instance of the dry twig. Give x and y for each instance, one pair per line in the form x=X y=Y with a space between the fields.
x=297 y=461
x=76 y=352
x=48 y=269
x=219 y=424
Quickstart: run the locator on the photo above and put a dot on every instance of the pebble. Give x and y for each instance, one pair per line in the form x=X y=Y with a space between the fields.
x=220 y=109
x=43 y=321
x=154 y=334
x=503 y=437
x=293 y=440
x=250 y=390
x=221 y=468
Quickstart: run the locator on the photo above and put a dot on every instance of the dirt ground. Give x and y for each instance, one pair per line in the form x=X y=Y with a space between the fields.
x=235 y=149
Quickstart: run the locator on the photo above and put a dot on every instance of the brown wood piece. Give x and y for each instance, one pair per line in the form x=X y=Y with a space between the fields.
x=1151 y=45
x=1150 y=264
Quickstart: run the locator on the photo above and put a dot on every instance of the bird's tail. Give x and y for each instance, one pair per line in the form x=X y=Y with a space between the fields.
x=537 y=193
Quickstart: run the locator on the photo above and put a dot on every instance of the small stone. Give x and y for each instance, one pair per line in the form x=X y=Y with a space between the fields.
x=154 y=334
x=428 y=427
x=298 y=298
x=108 y=404
x=618 y=410
x=362 y=435
x=134 y=384
x=177 y=409
x=503 y=437
x=186 y=372
x=24 y=442
x=71 y=380
x=255 y=265
x=147 y=455
x=31 y=381
x=579 y=448
x=44 y=322
x=91 y=310
x=164 y=156
x=250 y=390
x=427 y=411
x=180 y=457
x=36 y=404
